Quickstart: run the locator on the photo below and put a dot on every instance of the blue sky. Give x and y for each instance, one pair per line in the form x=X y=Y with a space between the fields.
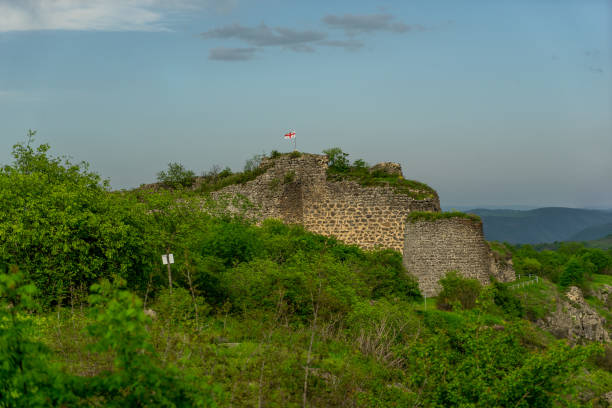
x=493 y=103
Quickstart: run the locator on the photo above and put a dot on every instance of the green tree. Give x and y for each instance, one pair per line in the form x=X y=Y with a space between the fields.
x=176 y=176
x=337 y=159
x=61 y=225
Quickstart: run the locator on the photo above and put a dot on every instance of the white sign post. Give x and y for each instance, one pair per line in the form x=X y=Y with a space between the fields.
x=168 y=259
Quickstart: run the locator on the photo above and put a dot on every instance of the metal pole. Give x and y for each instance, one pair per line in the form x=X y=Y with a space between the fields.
x=169 y=271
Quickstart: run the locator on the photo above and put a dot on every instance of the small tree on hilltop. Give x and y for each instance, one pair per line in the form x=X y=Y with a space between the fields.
x=338 y=160
x=176 y=176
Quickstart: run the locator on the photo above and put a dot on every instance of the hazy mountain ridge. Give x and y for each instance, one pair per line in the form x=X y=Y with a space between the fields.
x=548 y=224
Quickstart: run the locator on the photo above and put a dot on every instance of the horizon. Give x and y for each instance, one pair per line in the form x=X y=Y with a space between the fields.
x=486 y=103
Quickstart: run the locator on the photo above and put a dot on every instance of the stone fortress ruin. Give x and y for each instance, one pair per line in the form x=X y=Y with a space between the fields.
x=296 y=188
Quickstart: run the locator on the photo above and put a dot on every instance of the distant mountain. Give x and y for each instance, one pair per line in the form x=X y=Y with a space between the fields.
x=593 y=233
x=544 y=224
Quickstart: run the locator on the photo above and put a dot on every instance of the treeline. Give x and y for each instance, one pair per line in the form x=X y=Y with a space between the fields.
x=248 y=315
x=570 y=263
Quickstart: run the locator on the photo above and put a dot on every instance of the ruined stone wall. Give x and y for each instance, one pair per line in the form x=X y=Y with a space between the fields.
x=432 y=248
x=279 y=192
x=366 y=216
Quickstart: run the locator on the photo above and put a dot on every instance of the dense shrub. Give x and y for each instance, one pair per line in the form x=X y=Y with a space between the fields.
x=458 y=290
x=575 y=271
x=507 y=301
x=62 y=227
x=339 y=168
x=176 y=176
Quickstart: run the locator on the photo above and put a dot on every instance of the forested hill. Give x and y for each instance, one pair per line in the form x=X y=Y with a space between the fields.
x=545 y=224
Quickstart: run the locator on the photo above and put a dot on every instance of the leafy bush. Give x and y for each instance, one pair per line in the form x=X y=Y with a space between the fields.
x=337 y=159
x=339 y=168
x=507 y=301
x=458 y=290
x=176 y=176
x=388 y=278
x=289 y=177
x=62 y=227
x=528 y=266
x=574 y=272
x=232 y=241
x=27 y=378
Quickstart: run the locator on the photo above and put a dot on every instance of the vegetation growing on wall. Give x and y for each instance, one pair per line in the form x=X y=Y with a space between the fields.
x=339 y=168
x=415 y=216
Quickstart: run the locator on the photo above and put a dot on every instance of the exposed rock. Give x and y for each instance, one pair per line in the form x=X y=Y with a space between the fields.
x=604 y=293
x=503 y=270
x=575 y=320
x=394 y=169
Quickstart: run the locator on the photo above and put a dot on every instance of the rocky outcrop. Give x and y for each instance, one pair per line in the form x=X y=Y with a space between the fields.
x=604 y=294
x=575 y=320
x=394 y=169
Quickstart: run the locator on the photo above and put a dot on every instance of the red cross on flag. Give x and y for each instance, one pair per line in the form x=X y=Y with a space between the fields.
x=290 y=134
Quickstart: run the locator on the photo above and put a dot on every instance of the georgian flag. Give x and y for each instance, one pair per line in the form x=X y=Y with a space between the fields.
x=290 y=134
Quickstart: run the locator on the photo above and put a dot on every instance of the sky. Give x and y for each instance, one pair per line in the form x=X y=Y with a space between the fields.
x=492 y=103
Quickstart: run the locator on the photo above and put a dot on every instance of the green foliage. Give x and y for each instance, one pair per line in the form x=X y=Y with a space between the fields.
x=507 y=301
x=289 y=177
x=214 y=181
x=255 y=310
x=415 y=216
x=337 y=159
x=528 y=266
x=138 y=377
x=176 y=176
x=340 y=169
x=61 y=226
x=27 y=378
x=458 y=290
x=573 y=273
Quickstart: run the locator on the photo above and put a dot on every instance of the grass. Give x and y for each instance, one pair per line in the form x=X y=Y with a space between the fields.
x=538 y=299
x=415 y=216
x=226 y=178
x=363 y=176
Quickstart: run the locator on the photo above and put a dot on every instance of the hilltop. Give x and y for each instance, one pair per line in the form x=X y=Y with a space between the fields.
x=260 y=312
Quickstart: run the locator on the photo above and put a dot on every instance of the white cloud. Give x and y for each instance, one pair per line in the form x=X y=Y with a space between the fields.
x=97 y=15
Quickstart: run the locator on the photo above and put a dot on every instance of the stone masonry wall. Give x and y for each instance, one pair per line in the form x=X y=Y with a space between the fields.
x=433 y=248
x=366 y=216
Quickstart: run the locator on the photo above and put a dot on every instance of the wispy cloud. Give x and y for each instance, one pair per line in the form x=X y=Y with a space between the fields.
x=305 y=40
x=264 y=36
x=97 y=15
x=349 y=45
x=18 y=96
x=232 y=54
x=358 y=24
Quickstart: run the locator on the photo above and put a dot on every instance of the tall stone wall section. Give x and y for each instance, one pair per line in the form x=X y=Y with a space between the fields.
x=367 y=216
x=432 y=248
x=296 y=190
